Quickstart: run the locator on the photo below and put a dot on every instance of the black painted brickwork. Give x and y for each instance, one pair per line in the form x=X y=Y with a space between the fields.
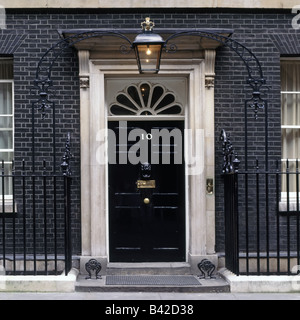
x=29 y=34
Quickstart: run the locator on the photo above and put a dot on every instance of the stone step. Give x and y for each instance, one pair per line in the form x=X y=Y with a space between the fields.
x=151 y=283
x=149 y=277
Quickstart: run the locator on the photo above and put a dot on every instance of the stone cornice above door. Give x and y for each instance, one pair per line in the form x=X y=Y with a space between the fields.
x=108 y=47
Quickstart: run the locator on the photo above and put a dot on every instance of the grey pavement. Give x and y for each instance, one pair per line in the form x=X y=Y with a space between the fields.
x=151 y=296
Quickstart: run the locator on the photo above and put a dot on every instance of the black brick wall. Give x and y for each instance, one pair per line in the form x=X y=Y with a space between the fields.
x=30 y=33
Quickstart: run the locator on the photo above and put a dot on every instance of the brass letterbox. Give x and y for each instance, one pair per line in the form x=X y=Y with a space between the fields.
x=145 y=184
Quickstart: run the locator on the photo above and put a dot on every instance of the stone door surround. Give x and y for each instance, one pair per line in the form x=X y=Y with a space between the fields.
x=199 y=118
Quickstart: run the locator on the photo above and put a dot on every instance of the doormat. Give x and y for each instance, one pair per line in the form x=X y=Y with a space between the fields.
x=153 y=280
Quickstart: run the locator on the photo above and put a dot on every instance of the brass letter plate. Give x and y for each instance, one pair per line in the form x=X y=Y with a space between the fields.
x=145 y=184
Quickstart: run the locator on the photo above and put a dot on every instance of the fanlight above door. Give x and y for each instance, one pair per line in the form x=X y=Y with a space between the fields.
x=145 y=99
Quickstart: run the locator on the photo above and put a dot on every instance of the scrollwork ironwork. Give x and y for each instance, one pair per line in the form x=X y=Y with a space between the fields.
x=250 y=60
x=93 y=265
x=256 y=102
x=255 y=74
x=43 y=82
x=43 y=73
x=65 y=165
x=43 y=90
x=207 y=269
x=230 y=159
x=171 y=49
x=124 y=49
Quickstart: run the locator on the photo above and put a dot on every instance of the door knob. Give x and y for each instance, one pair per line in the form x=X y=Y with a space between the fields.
x=146 y=200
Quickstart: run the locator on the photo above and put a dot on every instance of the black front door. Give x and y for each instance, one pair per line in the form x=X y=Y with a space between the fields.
x=146 y=191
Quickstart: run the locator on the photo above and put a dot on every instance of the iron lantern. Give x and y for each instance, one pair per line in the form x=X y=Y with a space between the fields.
x=148 y=47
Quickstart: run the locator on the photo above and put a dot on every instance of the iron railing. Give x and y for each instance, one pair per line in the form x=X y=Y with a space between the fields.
x=262 y=220
x=35 y=234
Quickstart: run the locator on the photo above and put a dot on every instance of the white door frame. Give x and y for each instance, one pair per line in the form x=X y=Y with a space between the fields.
x=199 y=118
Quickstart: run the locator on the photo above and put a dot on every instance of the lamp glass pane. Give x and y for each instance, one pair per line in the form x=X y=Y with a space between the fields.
x=149 y=56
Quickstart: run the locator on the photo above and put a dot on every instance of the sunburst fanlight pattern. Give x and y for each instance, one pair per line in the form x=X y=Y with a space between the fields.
x=145 y=99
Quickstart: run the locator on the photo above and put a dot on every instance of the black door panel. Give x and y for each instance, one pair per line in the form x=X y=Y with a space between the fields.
x=147 y=218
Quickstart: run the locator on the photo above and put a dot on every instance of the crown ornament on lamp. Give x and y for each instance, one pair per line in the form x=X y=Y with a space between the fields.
x=148 y=48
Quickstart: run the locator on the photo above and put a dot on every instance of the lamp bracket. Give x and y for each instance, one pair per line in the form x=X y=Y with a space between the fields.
x=43 y=77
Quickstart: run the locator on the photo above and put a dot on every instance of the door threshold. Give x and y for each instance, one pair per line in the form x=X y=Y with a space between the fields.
x=149 y=268
x=148 y=265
